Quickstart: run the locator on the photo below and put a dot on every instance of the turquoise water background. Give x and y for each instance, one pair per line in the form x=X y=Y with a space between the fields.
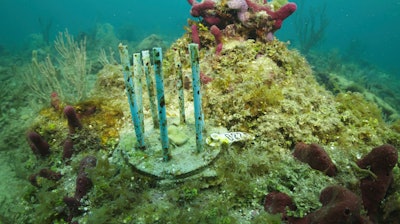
x=371 y=25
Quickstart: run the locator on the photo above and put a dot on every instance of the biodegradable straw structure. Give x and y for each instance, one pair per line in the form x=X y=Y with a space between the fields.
x=150 y=87
x=179 y=85
x=133 y=84
x=130 y=91
x=137 y=79
x=198 y=112
x=157 y=58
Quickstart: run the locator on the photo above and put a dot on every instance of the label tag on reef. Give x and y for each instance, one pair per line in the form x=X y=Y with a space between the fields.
x=217 y=139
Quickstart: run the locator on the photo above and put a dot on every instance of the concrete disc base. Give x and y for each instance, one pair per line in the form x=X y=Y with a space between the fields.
x=185 y=160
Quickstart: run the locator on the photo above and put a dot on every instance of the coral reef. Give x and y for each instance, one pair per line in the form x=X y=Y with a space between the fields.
x=268 y=91
x=215 y=13
x=245 y=17
x=255 y=85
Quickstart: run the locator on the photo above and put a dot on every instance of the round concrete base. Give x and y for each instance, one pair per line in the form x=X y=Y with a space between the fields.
x=185 y=161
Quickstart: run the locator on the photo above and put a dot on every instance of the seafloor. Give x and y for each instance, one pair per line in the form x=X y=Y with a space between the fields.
x=263 y=89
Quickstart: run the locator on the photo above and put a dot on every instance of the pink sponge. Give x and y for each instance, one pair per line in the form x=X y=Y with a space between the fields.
x=199 y=9
x=218 y=38
x=282 y=14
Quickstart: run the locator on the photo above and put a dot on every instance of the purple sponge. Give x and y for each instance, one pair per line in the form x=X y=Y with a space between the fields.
x=73 y=120
x=38 y=145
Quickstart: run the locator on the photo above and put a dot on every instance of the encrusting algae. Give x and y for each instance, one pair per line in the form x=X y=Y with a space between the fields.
x=260 y=88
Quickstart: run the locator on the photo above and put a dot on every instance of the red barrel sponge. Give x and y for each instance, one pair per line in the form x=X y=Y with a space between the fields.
x=339 y=205
x=38 y=145
x=316 y=157
x=73 y=120
x=381 y=160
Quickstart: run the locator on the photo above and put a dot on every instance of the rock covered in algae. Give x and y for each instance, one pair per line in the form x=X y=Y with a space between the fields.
x=263 y=89
x=269 y=91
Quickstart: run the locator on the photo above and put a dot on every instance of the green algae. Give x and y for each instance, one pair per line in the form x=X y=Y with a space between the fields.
x=277 y=4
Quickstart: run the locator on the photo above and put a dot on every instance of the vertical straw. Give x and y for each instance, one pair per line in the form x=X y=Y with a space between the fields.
x=137 y=79
x=130 y=91
x=150 y=86
x=179 y=85
x=198 y=113
x=157 y=58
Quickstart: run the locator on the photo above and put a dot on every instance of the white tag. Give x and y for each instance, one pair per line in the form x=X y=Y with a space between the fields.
x=216 y=139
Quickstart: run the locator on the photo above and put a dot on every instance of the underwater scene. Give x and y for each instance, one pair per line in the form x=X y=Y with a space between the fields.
x=199 y=111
